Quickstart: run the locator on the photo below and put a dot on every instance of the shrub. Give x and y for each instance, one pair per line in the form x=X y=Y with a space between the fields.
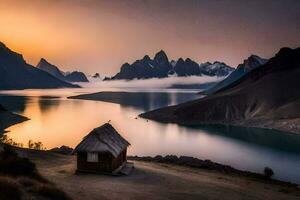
x=9 y=189
x=27 y=182
x=268 y=172
x=50 y=191
x=12 y=164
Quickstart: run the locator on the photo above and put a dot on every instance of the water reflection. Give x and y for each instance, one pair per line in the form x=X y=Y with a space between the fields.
x=268 y=138
x=45 y=105
x=143 y=101
x=61 y=121
x=14 y=103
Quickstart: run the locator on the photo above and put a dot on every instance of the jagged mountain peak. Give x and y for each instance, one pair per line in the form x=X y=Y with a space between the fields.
x=188 y=60
x=161 y=57
x=284 y=51
x=160 y=67
x=64 y=76
x=2 y=45
x=12 y=56
x=180 y=60
x=286 y=58
x=45 y=63
x=146 y=57
x=252 y=62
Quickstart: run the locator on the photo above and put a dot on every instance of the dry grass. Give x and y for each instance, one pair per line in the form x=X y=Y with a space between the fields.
x=19 y=179
x=9 y=189
x=49 y=191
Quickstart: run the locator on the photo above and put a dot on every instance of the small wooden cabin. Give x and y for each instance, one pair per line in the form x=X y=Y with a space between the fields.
x=102 y=151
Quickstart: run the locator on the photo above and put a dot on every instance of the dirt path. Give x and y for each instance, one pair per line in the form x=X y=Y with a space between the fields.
x=157 y=181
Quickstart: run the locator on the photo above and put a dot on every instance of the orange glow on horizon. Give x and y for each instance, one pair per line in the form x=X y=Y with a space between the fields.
x=99 y=36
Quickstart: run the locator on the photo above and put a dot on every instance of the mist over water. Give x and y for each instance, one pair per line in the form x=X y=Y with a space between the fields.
x=152 y=83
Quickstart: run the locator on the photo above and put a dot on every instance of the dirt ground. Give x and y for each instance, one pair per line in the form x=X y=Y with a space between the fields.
x=156 y=181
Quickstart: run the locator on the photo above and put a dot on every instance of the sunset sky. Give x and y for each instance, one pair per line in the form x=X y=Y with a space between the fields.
x=99 y=36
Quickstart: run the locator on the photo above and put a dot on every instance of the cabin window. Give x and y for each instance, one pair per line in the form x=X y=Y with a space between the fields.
x=92 y=157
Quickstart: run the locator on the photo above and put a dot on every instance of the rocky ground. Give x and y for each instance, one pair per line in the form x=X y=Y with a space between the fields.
x=153 y=180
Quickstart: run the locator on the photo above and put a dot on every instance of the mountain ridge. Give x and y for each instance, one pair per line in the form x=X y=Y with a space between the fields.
x=74 y=76
x=161 y=67
x=241 y=70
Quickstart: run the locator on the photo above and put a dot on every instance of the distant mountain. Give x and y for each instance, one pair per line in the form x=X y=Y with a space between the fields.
x=249 y=64
x=51 y=69
x=76 y=77
x=64 y=76
x=161 y=67
x=15 y=73
x=96 y=75
x=268 y=96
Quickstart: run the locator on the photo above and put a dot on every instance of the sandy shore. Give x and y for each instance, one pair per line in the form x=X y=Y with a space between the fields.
x=156 y=181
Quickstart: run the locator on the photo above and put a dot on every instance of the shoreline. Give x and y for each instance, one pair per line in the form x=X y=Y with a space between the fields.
x=156 y=180
x=182 y=161
x=191 y=162
x=9 y=119
x=199 y=164
x=285 y=125
x=265 y=126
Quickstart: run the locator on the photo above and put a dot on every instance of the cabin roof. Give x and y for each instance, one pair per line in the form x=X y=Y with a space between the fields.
x=103 y=139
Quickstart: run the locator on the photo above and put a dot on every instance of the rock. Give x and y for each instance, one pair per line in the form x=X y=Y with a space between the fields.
x=96 y=75
x=268 y=172
x=63 y=150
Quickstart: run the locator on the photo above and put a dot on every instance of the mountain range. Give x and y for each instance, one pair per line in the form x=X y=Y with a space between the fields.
x=249 y=64
x=15 y=73
x=267 y=96
x=64 y=76
x=161 y=67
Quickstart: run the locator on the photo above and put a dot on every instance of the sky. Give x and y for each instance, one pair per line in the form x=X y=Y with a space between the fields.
x=99 y=36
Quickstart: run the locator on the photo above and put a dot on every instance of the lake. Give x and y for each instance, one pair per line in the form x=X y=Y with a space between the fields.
x=56 y=120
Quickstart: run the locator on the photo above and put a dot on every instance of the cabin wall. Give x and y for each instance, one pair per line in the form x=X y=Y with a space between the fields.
x=103 y=165
x=106 y=162
x=117 y=162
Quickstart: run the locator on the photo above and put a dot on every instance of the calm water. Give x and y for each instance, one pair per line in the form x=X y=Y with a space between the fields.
x=56 y=120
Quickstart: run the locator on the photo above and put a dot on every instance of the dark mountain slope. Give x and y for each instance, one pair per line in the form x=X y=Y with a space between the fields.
x=76 y=77
x=268 y=96
x=249 y=64
x=56 y=72
x=15 y=73
x=51 y=69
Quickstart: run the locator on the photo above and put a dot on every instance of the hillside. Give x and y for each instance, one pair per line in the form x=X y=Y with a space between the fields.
x=15 y=73
x=268 y=97
x=64 y=76
x=248 y=65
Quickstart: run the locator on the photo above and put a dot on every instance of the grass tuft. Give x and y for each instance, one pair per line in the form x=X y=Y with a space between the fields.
x=9 y=189
x=49 y=191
